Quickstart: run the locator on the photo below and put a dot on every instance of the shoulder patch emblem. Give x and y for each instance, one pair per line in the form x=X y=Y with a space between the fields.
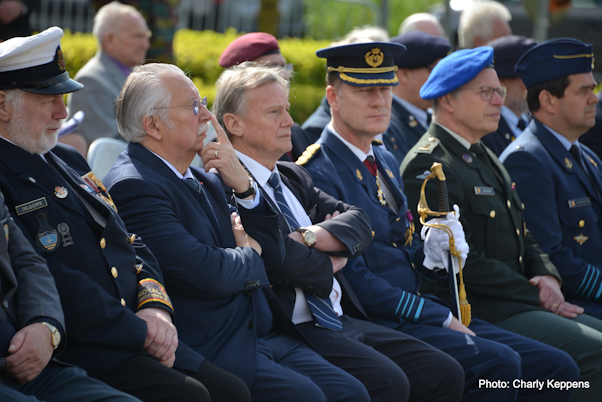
x=377 y=142
x=427 y=145
x=308 y=154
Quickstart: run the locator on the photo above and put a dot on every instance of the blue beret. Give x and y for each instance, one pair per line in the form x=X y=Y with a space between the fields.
x=507 y=50
x=422 y=49
x=554 y=59
x=456 y=70
x=363 y=64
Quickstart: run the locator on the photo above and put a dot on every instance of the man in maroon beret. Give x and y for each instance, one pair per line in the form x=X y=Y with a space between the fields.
x=254 y=46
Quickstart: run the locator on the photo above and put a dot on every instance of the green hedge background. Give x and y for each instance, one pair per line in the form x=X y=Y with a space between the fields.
x=197 y=53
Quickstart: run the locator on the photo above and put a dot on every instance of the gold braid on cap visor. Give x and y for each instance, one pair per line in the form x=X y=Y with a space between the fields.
x=345 y=77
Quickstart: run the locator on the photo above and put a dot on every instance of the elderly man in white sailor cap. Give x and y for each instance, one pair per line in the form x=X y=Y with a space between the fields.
x=117 y=313
x=32 y=326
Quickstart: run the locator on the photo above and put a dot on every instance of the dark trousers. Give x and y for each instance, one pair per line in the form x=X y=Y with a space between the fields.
x=499 y=355
x=580 y=337
x=60 y=383
x=150 y=381
x=392 y=366
x=288 y=370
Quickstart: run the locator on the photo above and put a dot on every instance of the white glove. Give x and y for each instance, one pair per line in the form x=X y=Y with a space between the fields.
x=436 y=241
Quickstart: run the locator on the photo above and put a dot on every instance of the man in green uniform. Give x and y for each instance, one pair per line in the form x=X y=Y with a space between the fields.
x=510 y=282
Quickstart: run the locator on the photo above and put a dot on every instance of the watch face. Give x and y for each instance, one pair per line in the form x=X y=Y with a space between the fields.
x=309 y=237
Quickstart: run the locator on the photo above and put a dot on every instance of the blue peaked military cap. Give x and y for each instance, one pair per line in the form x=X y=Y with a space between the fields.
x=507 y=50
x=422 y=49
x=363 y=64
x=456 y=70
x=554 y=59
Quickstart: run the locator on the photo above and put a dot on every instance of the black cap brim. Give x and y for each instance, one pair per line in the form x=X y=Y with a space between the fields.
x=59 y=85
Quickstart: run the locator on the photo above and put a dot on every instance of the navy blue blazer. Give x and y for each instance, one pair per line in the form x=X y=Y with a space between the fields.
x=407 y=123
x=217 y=289
x=383 y=277
x=563 y=206
x=498 y=140
x=99 y=303
x=315 y=123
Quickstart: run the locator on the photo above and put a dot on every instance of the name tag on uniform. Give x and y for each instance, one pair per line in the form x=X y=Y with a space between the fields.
x=31 y=206
x=580 y=202
x=484 y=191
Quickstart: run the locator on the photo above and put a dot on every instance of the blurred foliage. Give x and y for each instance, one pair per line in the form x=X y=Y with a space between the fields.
x=400 y=9
x=197 y=53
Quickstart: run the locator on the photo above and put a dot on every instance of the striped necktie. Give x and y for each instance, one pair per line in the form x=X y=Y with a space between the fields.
x=321 y=308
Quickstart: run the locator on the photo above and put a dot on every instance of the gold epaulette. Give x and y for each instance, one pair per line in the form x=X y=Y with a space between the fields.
x=377 y=142
x=309 y=153
x=427 y=145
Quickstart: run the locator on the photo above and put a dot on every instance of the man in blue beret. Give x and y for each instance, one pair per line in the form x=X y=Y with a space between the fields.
x=409 y=111
x=509 y=280
x=514 y=118
x=349 y=165
x=549 y=163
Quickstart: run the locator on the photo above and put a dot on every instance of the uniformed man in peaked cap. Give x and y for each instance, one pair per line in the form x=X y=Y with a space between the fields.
x=558 y=178
x=350 y=166
x=510 y=282
x=117 y=312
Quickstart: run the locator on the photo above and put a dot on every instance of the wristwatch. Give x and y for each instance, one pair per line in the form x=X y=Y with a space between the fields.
x=309 y=237
x=249 y=192
x=56 y=335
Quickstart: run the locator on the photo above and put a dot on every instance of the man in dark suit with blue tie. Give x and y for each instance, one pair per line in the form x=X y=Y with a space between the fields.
x=322 y=233
x=507 y=51
x=409 y=111
x=215 y=268
x=388 y=276
x=557 y=177
x=118 y=315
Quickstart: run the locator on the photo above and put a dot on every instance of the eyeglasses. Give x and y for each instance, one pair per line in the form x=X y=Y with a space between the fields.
x=195 y=105
x=487 y=92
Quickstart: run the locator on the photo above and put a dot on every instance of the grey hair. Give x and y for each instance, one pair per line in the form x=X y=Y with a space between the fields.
x=108 y=18
x=367 y=33
x=233 y=85
x=14 y=97
x=144 y=94
x=411 y=22
x=477 y=21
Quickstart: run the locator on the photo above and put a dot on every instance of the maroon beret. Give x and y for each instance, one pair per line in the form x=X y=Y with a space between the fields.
x=248 y=47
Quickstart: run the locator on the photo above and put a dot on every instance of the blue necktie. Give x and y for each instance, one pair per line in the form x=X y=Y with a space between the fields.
x=194 y=184
x=320 y=308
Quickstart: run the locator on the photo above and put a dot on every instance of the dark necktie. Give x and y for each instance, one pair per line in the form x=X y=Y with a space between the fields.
x=194 y=184
x=320 y=308
x=274 y=182
x=482 y=156
x=574 y=150
x=191 y=182
x=370 y=163
x=521 y=124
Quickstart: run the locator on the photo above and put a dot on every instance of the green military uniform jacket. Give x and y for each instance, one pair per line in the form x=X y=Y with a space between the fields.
x=503 y=255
